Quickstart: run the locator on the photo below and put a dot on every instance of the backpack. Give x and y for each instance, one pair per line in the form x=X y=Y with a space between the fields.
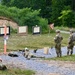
x=73 y=39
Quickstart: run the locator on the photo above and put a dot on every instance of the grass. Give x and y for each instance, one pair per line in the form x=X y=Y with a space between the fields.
x=16 y=42
x=17 y=72
x=64 y=58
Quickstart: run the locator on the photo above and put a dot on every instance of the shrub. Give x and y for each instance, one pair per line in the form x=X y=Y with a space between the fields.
x=25 y=16
x=44 y=25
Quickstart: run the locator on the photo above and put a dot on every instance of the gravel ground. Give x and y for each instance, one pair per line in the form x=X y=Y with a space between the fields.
x=42 y=67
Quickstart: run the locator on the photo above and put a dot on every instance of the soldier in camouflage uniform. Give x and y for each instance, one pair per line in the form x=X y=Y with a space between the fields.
x=70 y=44
x=27 y=54
x=58 y=38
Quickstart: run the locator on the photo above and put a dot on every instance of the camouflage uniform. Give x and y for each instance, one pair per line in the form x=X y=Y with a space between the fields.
x=70 y=44
x=27 y=53
x=58 y=38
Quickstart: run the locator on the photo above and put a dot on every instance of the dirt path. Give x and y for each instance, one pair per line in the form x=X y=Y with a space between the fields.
x=60 y=65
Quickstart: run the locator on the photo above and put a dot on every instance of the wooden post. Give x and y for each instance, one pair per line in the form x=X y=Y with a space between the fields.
x=5 y=42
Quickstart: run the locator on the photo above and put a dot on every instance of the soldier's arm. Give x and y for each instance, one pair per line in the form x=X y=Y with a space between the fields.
x=55 y=39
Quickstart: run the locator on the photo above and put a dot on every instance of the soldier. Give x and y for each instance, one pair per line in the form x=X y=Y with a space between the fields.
x=27 y=54
x=58 y=38
x=70 y=44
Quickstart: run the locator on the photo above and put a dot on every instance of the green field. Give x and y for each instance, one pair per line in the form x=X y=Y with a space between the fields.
x=16 y=41
x=17 y=72
x=64 y=58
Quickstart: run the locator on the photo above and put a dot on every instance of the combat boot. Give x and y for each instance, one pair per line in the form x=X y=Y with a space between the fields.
x=68 y=52
x=57 y=54
x=71 y=52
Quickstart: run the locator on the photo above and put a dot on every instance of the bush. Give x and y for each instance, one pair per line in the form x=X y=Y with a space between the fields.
x=44 y=25
x=67 y=18
x=25 y=16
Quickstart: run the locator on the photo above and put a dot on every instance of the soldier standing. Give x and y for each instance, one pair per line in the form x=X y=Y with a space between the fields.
x=70 y=44
x=58 y=38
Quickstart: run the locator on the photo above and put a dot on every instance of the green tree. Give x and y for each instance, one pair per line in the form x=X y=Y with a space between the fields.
x=49 y=9
x=44 y=5
x=57 y=6
x=67 y=17
x=25 y=16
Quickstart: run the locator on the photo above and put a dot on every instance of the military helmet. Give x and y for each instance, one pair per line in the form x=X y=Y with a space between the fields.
x=57 y=31
x=26 y=49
